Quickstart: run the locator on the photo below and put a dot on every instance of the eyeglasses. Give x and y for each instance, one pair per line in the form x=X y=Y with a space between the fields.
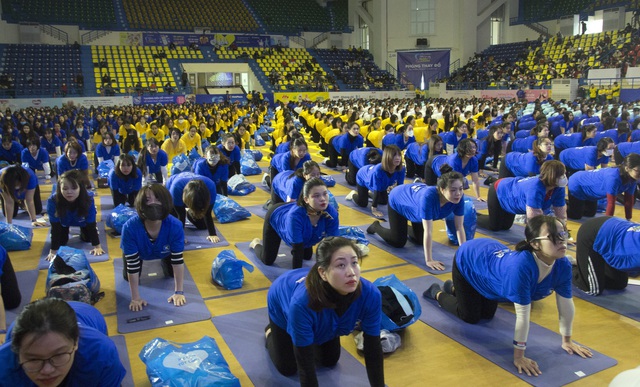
x=561 y=236
x=56 y=361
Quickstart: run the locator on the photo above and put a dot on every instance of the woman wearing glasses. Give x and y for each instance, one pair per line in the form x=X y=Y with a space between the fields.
x=607 y=250
x=49 y=348
x=486 y=272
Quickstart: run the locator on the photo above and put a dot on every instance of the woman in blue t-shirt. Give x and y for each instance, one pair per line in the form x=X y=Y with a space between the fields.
x=215 y=166
x=301 y=224
x=518 y=164
x=421 y=205
x=287 y=185
x=342 y=145
x=289 y=161
x=73 y=159
x=108 y=148
x=585 y=137
x=125 y=180
x=464 y=160
x=19 y=188
x=309 y=309
x=153 y=162
x=607 y=250
x=486 y=272
x=359 y=158
x=417 y=154
x=231 y=151
x=587 y=158
x=379 y=179
x=452 y=139
x=36 y=157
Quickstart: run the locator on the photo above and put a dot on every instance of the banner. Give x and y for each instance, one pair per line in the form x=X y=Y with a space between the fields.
x=159 y=99
x=23 y=103
x=371 y=94
x=296 y=96
x=222 y=40
x=130 y=38
x=219 y=98
x=420 y=67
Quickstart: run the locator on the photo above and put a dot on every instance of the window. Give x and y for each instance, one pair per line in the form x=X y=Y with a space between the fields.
x=364 y=34
x=423 y=17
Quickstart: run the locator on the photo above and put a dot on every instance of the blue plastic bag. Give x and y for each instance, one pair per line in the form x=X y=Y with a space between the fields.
x=226 y=270
x=119 y=217
x=328 y=180
x=76 y=259
x=470 y=219
x=135 y=154
x=333 y=202
x=238 y=185
x=353 y=232
x=406 y=295
x=227 y=210
x=257 y=138
x=180 y=164
x=183 y=365
x=15 y=238
x=104 y=168
x=248 y=165
x=257 y=155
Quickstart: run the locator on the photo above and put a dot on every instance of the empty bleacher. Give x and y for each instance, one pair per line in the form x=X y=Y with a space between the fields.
x=291 y=16
x=90 y=14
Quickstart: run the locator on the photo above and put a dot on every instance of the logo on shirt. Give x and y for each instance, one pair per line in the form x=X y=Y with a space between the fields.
x=634 y=229
x=165 y=249
x=501 y=253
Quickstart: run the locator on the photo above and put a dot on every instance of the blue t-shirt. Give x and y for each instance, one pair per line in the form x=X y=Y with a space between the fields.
x=377 y=179
x=233 y=156
x=13 y=154
x=285 y=185
x=618 y=241
x=455 y=162
x=218 y=174
x=169 y=240
x=419 y=201
x=161 y=161
x=127 y=185
x=283 y=147
x=516 y=193
x=65 y=165
x=450 y=138
x=110 y=154
x=3 y=258
x=418 y=153
x=288 y=304
x=50 y=146
x=523 y=164
x=359 y=156
x=176 y=183
x=32 y=184
x=282 y=162
x=571 y=140
x=344 y=141
x=502 y=275
x=71 y=218
x=577 y=158
x=523 y=145
x=597 y=183
x=292 y=224
x=36 y=162
x=625 y=148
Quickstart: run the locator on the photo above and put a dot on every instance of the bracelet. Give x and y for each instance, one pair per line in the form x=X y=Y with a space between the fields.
x=180 y=292
x=520 y=344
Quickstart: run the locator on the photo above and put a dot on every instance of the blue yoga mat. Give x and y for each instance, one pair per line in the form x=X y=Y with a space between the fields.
x=257 y=210
x=106 y=206
x=75 y=242
x=342 y=201
x=156 y=289
x=340 y=179
x=27 y=283
x=197 y=239
x=282 y=264
x=121 y=346
x=510 y=237
x=413 y=253
x=625 y=302
x=492 y=340
x=243 y=332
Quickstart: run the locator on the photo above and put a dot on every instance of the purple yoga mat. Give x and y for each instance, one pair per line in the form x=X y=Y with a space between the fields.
x=156 y=289
x=282 y=264
x=257 y=210
x=197 y=239
x=509 y=237
x=75 y=242
x=492 y=340
x=27 y=283
x=342 y=201
x=340 y=179
x=121 y=346
x=625 y=302
x=106 y=206
x=243 y=332
x=413 y=253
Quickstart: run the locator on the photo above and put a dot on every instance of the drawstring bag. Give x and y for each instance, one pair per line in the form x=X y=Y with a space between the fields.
x=104 y=168
x=180 y=164
x=227 y=272
x=248 y=165
x=470 y=219
x=119 y=217
x=70 y=277
x=328 y=180
x=257 y=155
x=400 y=305
x=186 y=364
x=353 y=232
x=228 y=211
x=15 y=238
x=238 y=185
x=332 y=201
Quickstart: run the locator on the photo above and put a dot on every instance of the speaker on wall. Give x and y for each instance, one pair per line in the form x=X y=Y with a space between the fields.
x=422 y=42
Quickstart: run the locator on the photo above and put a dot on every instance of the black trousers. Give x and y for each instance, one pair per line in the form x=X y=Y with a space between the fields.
x=120 y=198
x=617 y=156
x=468 y=304
x=10 y=290
x=413 y=169
x=430 y=177
x=361 y=198
x=350 y=174
x=37 y=203
x=498 y=219
x=399 y=231
x=268 y=251
x=593 y=274
x=60 y=235
x=504 y=171
x=577 y=208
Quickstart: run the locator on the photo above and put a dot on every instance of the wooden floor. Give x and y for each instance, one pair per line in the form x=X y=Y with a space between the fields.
x=426 y=357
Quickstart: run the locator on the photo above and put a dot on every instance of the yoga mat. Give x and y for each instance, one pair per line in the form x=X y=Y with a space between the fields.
x=282 y=264
x=156 y=289
x=257 y=210
x=27 y=283
x=340 y=179
x=106 y=206
x=512 y=236
x=75 y=242
x=492 y=340
x=625 y=302
x=121 y=346
x=342 y=201
x=197 y=239
x=413 y=253
x=243 y=332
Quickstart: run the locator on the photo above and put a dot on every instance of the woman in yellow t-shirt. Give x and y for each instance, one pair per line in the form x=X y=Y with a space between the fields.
x=174 y=145
x=192 y=140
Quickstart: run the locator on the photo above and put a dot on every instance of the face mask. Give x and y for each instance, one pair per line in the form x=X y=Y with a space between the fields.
x=80 y=130
x=213 y=160
x=562 y=182
x=181 y=120
x=608 y=152
x=410 y=133
x=153 y=212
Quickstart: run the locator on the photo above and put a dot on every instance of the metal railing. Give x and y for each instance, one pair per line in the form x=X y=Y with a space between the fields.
x=320 y=38
x=55 y=32
x=90 y=36
x=299 y=40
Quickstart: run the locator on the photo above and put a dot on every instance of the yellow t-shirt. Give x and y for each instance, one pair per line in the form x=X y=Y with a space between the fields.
x=174 y=150
x=375 y=137
x=158 y=136
x=192 y=142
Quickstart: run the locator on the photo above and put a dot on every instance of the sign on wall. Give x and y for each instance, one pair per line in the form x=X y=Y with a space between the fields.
x=421 y=67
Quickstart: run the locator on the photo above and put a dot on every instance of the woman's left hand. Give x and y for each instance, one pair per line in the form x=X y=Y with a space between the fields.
x=38 y=223
x=96 y=251
x=213 y=238
x=377 y=213
x=481 y=199
x=573 y=348
x=177 y=299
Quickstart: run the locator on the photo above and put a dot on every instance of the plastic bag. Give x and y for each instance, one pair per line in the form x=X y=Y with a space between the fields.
x=257 y=138
x=135 y=154
x=77 y=260
x=180 y=164
x=104 y=168
x=332 y=201
x=119 y=217
x=227 y=210
x=248 y=165
x=328 y=180
x=190 y=364
x=226 y=270
x=239 y=185
x=193 y=157
x=257 y=155
x=353 y=232
x=15 y=238
x=399 y=303
x=470 y=218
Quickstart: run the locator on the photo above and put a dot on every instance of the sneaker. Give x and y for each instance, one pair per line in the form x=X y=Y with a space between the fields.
x=417 y=180
x=448 y=287
x=325 y=160
x=264 y=179
x=350 y=195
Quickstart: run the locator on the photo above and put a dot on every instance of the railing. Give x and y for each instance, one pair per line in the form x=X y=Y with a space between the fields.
x=55 y=32
x=299 y=40
x=90 y=36
x=391 y=70
x=453 y=67
x=320 y=38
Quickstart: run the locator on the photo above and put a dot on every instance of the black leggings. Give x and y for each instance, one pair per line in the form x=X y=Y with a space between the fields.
x=361 y=198
x=206 y=223
x=617 y=156
x=60 y=235
x=10 y=290
x=37 y=203
x=577 y=208
x=267 y=252
x=468 y=304
x=280 y=347
x=120 y=198
x=398 y=232
x=593 y=274
x=430 y=177
x=413 y=169
x=350 y=173
x=504 y=171
x=498 y=219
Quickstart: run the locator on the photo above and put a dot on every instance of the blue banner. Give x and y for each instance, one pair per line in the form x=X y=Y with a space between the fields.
x=223 y=40
x=158 y=99
x=421 y=67
x=220 y=98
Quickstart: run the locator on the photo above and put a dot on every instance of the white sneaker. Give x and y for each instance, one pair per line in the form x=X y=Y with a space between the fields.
x=350 y=195
x=264 y=179
x=417 y=180
x=325 y=160
x=520 y=219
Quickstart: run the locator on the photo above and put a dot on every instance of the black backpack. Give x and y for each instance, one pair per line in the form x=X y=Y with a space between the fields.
x=392 y=305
